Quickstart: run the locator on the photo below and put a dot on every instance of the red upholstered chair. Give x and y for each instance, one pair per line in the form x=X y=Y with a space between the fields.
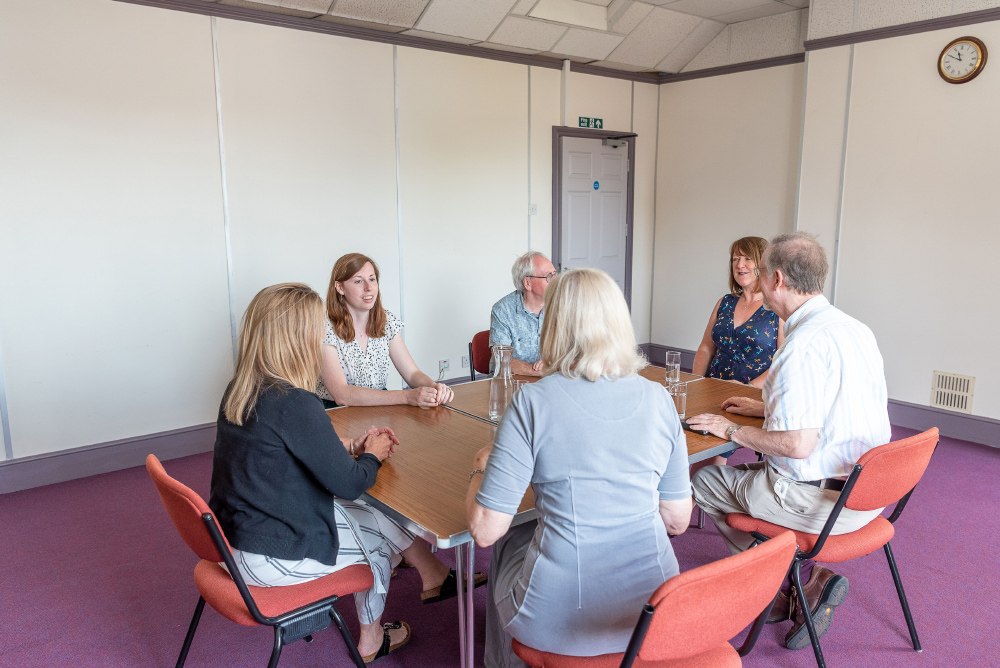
x=479 y=354
x=883 y=476
x=295 y=611
x=691 y=617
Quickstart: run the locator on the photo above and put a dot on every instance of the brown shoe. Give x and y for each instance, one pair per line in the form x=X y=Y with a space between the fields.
x=824 y=591
x=781 y=610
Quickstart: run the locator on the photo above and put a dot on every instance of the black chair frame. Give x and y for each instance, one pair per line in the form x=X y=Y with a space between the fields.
x=294 y=625
x=801 y=556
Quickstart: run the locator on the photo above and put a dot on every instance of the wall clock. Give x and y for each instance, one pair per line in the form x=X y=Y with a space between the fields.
x=962 y=60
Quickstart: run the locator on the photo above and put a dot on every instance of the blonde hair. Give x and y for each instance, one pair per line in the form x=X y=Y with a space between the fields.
x=279 y=343
x=587 y=331
x=336 y=309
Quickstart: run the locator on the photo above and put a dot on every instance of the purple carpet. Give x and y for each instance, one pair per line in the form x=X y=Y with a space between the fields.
x=95 y=575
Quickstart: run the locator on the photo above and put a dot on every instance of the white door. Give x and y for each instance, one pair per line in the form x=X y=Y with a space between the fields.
x=594 y=197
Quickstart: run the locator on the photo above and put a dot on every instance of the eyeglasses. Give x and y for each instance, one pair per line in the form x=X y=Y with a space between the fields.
x=548 y=277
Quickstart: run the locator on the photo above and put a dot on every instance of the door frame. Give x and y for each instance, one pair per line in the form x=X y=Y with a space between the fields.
x=560 y=131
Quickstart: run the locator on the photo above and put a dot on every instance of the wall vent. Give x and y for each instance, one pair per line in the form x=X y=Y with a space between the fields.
x=952 y=392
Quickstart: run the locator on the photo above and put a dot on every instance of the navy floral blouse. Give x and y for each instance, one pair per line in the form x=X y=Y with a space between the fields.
x=742 y=353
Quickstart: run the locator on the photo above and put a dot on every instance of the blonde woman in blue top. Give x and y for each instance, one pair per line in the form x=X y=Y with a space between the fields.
x=742 y=333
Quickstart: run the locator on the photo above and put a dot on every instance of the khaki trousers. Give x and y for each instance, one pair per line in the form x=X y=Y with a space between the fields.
x=758 y=490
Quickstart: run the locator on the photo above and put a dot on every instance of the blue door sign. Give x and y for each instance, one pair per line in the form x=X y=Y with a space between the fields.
x=596 y=185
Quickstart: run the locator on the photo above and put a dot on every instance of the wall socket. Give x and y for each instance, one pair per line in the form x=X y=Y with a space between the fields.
x=443 y=365
x=532 y=209
x=465 y=361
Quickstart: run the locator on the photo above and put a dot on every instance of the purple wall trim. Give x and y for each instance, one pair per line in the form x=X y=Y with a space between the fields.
x=973 y=428
x=734 y=69
x=939 y=23
x=372 y=35
x=47 y=469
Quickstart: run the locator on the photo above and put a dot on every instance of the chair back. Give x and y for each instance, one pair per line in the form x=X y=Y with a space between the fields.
x=891 y=471
x=700 y=609
x=185 y=508
x=481 y=352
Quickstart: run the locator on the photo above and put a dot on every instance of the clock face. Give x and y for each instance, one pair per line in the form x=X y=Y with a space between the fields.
x=962 y=60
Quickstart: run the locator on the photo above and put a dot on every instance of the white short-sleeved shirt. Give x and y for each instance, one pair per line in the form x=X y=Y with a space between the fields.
x=829 y=376
x=363 y=369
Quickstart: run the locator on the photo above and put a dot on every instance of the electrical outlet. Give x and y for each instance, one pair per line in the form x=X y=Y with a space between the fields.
x=465 y=361
x=532 y=209
x=443 y=365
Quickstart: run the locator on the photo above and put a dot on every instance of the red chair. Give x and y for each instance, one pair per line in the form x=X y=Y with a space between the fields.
x=295 y=611
x=479 y=354
x=690 y=618
x=883 y=476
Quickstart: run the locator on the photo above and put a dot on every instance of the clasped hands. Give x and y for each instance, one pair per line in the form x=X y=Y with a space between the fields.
x=426 y=397
x=717 y=425
x=379 y=441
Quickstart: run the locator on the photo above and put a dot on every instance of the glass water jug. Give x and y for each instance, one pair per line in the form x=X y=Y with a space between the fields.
x=502 y=383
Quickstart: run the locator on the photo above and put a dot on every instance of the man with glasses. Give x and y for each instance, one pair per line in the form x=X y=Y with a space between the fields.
x=516 y=320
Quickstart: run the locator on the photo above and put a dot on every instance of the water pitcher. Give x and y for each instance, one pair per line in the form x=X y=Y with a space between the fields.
x=502 y=383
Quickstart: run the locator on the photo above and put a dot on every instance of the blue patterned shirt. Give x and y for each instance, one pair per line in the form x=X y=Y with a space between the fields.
x=513 y=325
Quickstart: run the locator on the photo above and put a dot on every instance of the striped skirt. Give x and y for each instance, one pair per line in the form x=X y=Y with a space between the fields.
x=366 y=536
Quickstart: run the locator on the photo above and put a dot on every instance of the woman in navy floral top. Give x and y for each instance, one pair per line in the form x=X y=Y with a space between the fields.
x=742 y=334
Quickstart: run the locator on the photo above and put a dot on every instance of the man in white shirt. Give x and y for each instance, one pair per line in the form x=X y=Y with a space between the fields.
x=825 y=404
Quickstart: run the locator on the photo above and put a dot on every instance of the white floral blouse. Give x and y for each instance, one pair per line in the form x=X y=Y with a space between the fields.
x=363 y=369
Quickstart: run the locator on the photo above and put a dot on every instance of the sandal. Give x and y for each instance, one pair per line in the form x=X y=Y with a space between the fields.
x=387 y=647
x=449 y=588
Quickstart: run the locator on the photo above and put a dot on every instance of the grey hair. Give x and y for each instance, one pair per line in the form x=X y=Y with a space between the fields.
x=523 y=266
x=801 y=259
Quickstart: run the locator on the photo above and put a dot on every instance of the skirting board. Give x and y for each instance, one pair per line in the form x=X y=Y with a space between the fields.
x=973 y=428
x=47 y=469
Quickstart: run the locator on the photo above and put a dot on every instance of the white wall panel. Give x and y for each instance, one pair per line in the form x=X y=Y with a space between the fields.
x=643 y=219
x=920 y=231
x=600 y=97
x=310 y=155
x=728 y=158
x=545 y=106
x=463 y=132
x=113 y=292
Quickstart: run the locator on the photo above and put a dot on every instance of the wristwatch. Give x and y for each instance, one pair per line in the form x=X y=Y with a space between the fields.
x=732 y=429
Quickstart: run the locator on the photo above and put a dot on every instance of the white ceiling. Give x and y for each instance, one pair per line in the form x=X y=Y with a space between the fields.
x=646 y=35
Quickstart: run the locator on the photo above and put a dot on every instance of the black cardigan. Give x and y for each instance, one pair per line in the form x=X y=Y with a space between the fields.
x=274 y=478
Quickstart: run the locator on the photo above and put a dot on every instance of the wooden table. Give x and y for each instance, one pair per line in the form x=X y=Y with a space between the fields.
x=423 y=486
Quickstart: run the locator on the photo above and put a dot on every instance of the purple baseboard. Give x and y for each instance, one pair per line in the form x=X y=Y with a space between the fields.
x=973 y=428
x=50 y=468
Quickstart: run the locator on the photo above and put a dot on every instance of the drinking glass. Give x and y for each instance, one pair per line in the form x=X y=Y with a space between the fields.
x=673 y=368
x=518 y=384
x=679 y=393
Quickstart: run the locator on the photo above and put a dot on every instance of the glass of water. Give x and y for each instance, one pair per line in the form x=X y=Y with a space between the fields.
x=679 y=393
x=673 y=368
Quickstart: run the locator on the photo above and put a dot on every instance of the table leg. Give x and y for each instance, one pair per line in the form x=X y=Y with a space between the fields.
x=470 y=592
x=459 y=581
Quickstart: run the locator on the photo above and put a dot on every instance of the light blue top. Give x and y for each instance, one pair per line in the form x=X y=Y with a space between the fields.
x=513 y=325
x=599 y=457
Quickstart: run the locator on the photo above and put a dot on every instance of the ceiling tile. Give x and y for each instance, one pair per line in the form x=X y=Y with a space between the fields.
x=587 y=44
x=504 y=47
x=393 y=12
x=654 y=38
x=329 y=18
x=712 y=8
x=963 y=6
x=755 y=13
x=684 y=53
x=631 y=17
x=797 y=3
x=602 y=3
x=443 y=38
x=271 y=7
x=476 y=20
x=716 y=54
x=831 y=17
x=768 y=37
x=527 y=33
x=523 y=7
x=885 y=13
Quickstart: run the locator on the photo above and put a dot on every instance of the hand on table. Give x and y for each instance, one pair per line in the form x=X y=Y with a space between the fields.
x=744 y=406
x=444 y=394
x=537 y=367
x=380 y=444
x=716 y=424
x=424 y=397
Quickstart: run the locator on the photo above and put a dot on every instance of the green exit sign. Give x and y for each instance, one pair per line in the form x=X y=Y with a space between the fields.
x=596 y=123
